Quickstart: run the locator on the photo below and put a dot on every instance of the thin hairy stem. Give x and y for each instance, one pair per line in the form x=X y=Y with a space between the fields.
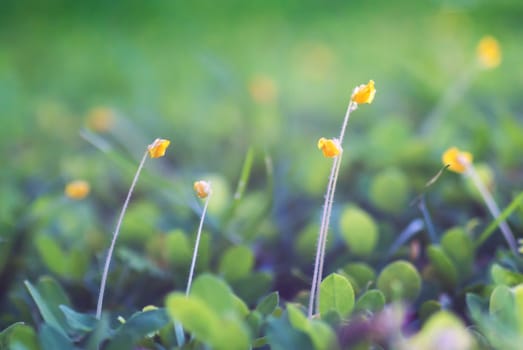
x=196 y=244
x=336 y=166
x=325 y=219
x=324 y=223
x=115 y=236
x=493 y=208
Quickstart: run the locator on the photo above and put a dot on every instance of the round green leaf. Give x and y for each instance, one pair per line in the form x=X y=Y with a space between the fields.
x=372 y=300
x=443 y=266
x=177 y=248
x=503 y=305
x=389 y=190
x=400 y=280
x=458 y=245
x=336 y=294
x=237 y=262
x=215 y=293
x=358 y=230
x=441 y=329
x=360 y=275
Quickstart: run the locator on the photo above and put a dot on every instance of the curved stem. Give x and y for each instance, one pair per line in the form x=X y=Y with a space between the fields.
x=196 y=244
x=115 y=236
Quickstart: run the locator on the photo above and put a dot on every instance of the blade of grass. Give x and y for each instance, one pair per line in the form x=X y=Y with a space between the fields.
x=518 y=201
x=242 y=184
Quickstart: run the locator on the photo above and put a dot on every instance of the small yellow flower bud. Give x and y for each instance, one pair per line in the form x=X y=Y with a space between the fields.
x=202 y=188
x=364 y=93
x=330 y=147
x=158 y=147
x=488 y=52
x=77 y=190
x=456 y=159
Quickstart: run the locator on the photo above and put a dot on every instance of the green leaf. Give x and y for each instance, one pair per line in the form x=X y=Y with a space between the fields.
x=503 y=306
x=358 y=230
x=268 y=304
x=297 y=318
x=215 y=293
x=205 y=324
x=517 y=202
x=101 y=332
x=137 y=262
x=242 y=309
x=77 y=263
x=52 y=255
x=399 y=280
x=18 y=336
x=78 y=321
x=322 y=335
x=177 y=248
x=281 y=336
x=429 y=308
x=443 y=266
x=372 y=300
x=442 y=325
x=336 y=294
x=53 y=339
x=236 y=263
x=194 y=314
x=501 y=275
x=389 y=190
x=476 y=306
x=360 y=275
x=139 y=326
x=253 y=286
x=458 y=245
x=47 y=304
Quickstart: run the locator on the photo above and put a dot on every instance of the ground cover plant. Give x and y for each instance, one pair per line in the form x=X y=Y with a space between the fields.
x=173 y=175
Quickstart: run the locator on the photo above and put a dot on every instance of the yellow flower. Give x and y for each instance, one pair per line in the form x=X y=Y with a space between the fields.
x=456 y=159
x=488 y=52
x=158 y=147
x=100 y=119
x=330 y=147
x=263 y=89
x=77 y=190
x=202 y=188
x=364 y=93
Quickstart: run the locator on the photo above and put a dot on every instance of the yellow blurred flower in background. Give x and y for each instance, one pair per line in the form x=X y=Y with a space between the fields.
x=78 y=189
x=263 y=89
x=100 y=119
x=457 y=160
x=488 y=52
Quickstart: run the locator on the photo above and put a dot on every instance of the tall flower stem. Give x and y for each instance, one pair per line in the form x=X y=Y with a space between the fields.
x=196 y=244
x=324 y=228
x=493 y=207
x=115 y=236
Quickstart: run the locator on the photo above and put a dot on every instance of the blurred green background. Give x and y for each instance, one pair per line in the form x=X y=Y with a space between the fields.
x=86 y=86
